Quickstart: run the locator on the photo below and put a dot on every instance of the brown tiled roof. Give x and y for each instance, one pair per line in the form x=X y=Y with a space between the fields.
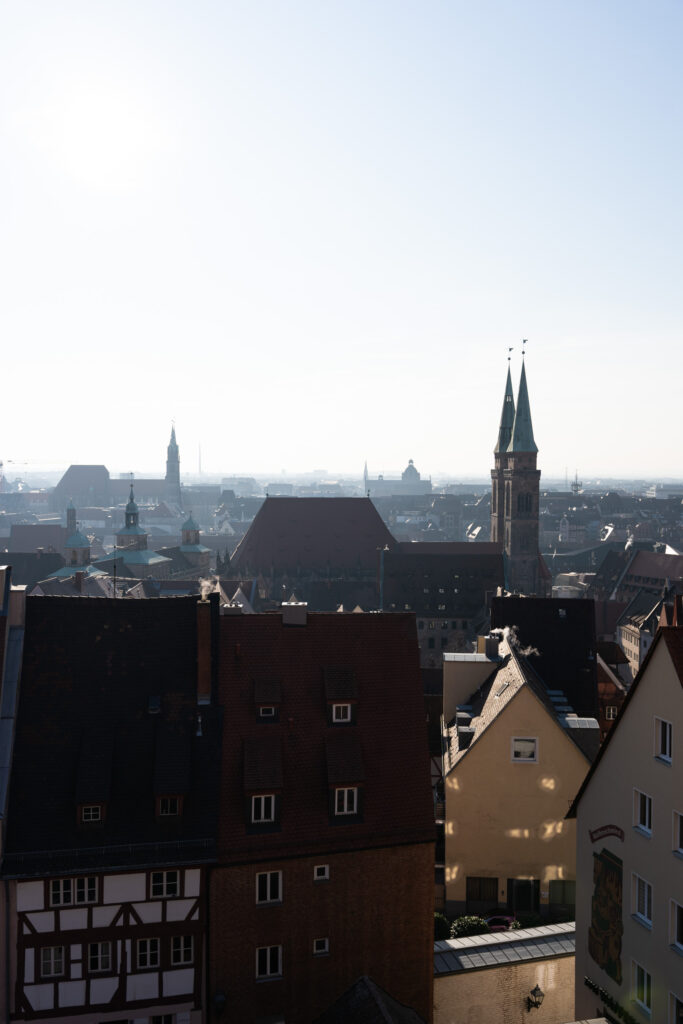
x=390 y=728
x=290 y=535
x=340 y=682
x=262 y=762
x=344 y=757
x=25 y=537
x=267 y=691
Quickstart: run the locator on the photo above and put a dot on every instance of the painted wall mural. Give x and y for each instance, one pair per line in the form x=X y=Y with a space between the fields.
x=606 y=930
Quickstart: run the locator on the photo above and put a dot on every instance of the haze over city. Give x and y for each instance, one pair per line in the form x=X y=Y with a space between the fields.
x=308 y=233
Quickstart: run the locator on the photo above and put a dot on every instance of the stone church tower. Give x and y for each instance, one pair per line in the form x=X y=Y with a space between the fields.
x=173 y=470
x=515 y=484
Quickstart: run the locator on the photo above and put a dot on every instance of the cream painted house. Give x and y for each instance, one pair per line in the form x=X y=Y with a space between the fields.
x=629 y=818
x=515 y=754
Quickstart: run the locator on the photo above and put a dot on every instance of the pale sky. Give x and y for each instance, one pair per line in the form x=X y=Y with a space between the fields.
x=309 y=231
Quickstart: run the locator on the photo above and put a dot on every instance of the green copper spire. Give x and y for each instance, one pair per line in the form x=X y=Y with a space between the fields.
x=507 y=418
x=522 y=439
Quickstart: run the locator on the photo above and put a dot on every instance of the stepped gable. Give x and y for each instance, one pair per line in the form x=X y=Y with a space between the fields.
x=312 y=535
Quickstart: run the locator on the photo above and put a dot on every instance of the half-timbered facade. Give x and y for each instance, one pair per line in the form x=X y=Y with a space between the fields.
x=112 y=813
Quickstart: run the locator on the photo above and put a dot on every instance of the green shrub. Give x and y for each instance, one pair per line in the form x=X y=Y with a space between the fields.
x=469 y=924
x=442 y=927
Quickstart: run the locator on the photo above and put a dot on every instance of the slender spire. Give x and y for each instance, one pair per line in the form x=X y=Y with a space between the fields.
x=522 y=439
x=507 y=418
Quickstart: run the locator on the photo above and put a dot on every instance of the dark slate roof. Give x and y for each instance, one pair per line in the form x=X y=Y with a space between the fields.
x=381 y=653
x=87 y=732
x=562 y=634
x=28 y=569
x=344 y=758
x=310 y=535
x=453 y=956
x=28 y=537
x=367 y=1003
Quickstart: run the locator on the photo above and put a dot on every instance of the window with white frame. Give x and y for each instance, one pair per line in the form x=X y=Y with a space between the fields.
x=341 y=712
x=663 y=740
x=262 y=809
x=66 y=891
x=321 y=872
x=641 y=986
x=678 y=832
x=169 y=806
x=676 y=925
x=269 y=887
x=611 y=712
x=148 y=953
x=642 y=811
x=163 y=1018
x=182 y=949
x=675 y=1009
x=51 y=961
x=321 y=947
x=524 y=748
x=346 y=800
x=165 y=884
x=267 y=711
x=91 y=813
x=641 y=899
x=99 y=956
x=269 y=962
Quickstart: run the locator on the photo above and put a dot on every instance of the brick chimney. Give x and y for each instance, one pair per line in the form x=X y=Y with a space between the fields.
x=204 y=651
x=78 y=581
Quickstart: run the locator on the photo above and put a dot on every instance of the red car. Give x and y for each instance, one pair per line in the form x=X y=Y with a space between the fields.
x=500 y=922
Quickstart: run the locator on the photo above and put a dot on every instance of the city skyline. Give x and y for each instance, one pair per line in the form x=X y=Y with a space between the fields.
x=310 y=234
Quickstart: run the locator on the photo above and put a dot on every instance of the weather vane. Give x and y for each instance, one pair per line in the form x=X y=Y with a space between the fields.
x=523 y=344
x=509 y=351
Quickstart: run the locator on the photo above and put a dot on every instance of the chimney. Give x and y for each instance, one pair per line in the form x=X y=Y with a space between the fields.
x=294 y=613
x=78 y=581
x=204 y=651
x=488 y=645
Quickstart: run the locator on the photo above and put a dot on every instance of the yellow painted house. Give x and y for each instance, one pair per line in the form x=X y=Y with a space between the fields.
x=515 y=755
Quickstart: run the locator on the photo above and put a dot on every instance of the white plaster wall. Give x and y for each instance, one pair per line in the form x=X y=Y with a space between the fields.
x=178 y=982
x=73 y=918
x=142 y=986
x=102 y=917
x=124 y=888
x=177 y=910
x=71 y=993
x=192 y=882
x=102 y=989
x=29 y=967
x=44 y=922
x=39 y=996
x=149 y=912
x=30 y=896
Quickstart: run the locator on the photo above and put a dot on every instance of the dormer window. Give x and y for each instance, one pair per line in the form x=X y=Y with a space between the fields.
x=91 y=814
x=267 y=699
x=169 y=806
x=341 y=713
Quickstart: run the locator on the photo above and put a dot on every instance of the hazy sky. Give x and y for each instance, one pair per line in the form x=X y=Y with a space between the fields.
x=309 y=231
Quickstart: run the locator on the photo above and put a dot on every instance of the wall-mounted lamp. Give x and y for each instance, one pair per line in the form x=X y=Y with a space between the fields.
x=535 y=998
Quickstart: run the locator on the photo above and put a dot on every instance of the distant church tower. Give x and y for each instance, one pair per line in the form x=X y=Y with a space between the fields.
x=515 y=495
x=173 y=470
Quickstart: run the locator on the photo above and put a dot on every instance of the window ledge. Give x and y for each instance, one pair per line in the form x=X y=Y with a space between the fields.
x=642 y=1008
x=678 y=853
x=675 y=948
x=642 y=921
x=663 y=760
x=264 y=981
x=269 y=903
x=647 y=833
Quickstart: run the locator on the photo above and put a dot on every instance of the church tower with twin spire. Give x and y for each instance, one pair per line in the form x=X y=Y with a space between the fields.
x=515 y=483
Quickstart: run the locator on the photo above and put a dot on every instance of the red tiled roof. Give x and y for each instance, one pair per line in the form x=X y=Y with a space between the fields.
x=388 y=742
x=312 y=534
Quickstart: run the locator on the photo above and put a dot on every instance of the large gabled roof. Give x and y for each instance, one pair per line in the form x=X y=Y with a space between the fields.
x=672 y=637
x=290 y=535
